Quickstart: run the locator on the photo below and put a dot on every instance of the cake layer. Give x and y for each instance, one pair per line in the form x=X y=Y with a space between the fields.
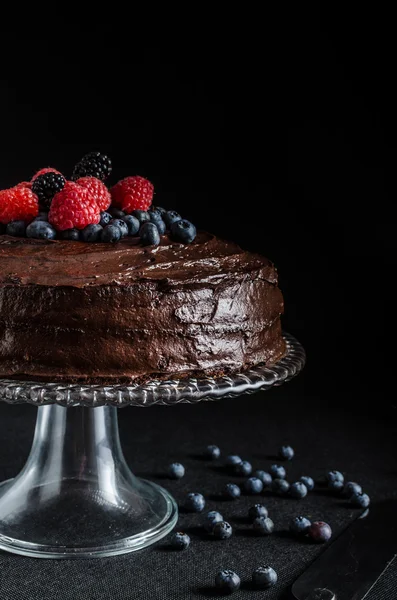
x=71 y=311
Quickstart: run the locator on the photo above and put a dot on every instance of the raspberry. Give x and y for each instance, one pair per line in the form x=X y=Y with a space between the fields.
x=43 y=172
x=46 y=186
x=18 y=204
x=98 y=191
x=132 y=193
x=73 y=207
x=93 y=164
x=24 y=184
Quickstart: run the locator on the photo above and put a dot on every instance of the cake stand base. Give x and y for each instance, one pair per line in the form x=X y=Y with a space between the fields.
x=76 y=496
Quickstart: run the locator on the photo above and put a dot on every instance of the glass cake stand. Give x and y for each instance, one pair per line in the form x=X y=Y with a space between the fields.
x=76 y=496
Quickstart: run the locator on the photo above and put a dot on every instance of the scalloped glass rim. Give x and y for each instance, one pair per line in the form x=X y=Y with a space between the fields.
x=189 y=390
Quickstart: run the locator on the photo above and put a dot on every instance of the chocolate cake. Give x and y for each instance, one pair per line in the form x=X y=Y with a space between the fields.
x=73 y=311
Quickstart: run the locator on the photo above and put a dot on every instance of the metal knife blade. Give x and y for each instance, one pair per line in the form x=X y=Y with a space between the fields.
x=351 y=565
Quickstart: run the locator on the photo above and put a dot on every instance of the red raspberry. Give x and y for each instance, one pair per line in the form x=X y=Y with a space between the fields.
x=132 y=193
x=24 y=184
x=43 y=172
x=18 y=204
x=73 y=207
x=98 y=191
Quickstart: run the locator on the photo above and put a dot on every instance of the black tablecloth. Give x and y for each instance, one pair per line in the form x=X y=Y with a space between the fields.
x=324 y=426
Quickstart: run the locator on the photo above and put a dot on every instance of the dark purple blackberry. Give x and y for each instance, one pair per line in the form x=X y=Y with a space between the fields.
x=46 y=186
x=93 y=164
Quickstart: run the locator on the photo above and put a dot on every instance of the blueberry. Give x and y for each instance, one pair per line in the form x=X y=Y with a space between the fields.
x=263 y=525
x=149 y=234
x=212 y=452
x=211 y=519
x=179 y=540
x=170 y=217
x=222 y=530
x=360 y=500
x=111 y=233
x=158 y=209
x=232 y=491
x=160 y=226
x=141 y=215
x=244 y=468
x=16 y=228
x=106 y=217
x=299 y=525
x=132 y=223
x=298 y=490
x=176 y=470
x=91 y=233
x=351 y=488
x=194 y=502
x=253 y=485
x=280 y=486
x=258 y=510
x=320 y=532
x=70 y=234
x=121 y=224
x=183 y=231
x=116 y=212
x=264 y=578
x=335 y=476
x=233 y=460
x=227 y=581
x=308 y=481
x=42 y=216
x=41 y=230
x=155 y=215
x=335 y=486
x=277 y=472
x=286 y=452
x=265 y=478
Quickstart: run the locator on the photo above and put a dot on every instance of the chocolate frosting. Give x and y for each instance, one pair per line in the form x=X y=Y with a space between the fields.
x=72 y=311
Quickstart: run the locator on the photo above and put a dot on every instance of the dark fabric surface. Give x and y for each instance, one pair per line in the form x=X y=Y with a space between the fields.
x=324 y=428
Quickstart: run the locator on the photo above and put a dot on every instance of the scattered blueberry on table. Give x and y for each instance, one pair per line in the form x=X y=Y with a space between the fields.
x=243 y=468
x=194 y=502
x=253 y=485
x=360 y=500
x=212 y=452
x=297 y=490
x=232 y=491
x=264 y=578
x=211 y=519
x=335 y=485
x=308 y=481
x=233 y=460
x=286 y=452
x=222 y=530
x=179 y=540
x=227 y=581
x=265 y=478
x=299 y=525
x=258 y=510
x=277 y=472
x=280 y=486
x=351 y=487
x=176 y=471
x=263 y=525
x=320 y=532
x=335 y=476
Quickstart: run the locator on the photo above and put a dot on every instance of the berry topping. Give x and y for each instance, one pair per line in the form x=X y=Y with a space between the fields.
x=111 y=233
x=24 y=184
x=194 y=502
x=149 y=234
x=298 y=490
x=211 y=519
x=227 y=581
x=43 y=172
x=320 y=532
x=142 y=215
x=122 y=225
x=69 y=234
x=132 y=223
x=253 y=485
x=263 y=525
x=259 y=510
x=299 y=525
x=91 y=233
x=16 y=228
x=106 y=217
x=46 y=186
x=222 y=530
x=179 y=540
x=158 y=209
x=264 y=578
x=98 y=191
x=73 y=207
x=93 y=164
x=183 y=231
x=18 y=204
x=232 y=491
x=41 y=230
x=212 y=452
x=286 y=452
x=176 y=471
x=170 y=217
x=132 y=193
x=116 y=212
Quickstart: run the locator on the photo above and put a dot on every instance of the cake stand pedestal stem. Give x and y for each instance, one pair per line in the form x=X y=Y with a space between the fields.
x=76 y=496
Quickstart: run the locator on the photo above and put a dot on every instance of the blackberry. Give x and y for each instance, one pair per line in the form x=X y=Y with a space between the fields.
x=93 y=164
x=46 y=186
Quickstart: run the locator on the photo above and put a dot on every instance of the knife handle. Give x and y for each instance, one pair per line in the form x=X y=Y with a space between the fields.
x=321 y=594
